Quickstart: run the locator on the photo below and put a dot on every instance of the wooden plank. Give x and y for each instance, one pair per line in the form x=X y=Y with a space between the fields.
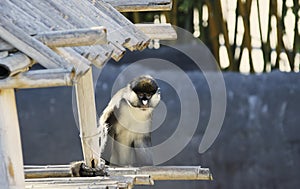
x=141 y=5
x=11 y=166
x=30 y=46
x=75 y=37
x=158 y=31
x=155 y=172
x=85 y=98
x=39 y=79
x=14 y=64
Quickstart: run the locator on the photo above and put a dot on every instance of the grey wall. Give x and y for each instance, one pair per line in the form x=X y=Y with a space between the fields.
x=258 y=146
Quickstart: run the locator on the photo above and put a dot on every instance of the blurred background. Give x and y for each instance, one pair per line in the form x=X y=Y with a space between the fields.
x=256 y=45
x=251 y=36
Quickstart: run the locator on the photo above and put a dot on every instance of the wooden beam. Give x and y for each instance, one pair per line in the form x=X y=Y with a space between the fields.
x=14 y=64
x=75 y=37
x=155 y=172
x=30 y=46
x=39 y=79
x=158 y=31
x=11 y=169
x=85 y=98
x=141 y=5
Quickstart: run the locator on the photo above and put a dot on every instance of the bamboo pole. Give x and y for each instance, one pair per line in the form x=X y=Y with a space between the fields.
x=214 y=31
x=244 y=9
x=14 y=64
x=296 y=48
x=85 y=98
x=224 y=29
x=141 y=5
x=265 y=46
x=11 y=159
x=75 y=37
x=39 y=79
x=156 y=172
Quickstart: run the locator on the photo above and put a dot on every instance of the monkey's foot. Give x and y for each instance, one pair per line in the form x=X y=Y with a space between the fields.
x=79 y=169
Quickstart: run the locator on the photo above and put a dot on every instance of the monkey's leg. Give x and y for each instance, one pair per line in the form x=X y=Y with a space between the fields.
x=79 y=169
x=143 y=153
x=121 y=155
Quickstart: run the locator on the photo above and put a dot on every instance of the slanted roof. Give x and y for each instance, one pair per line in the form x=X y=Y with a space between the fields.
x=69 y=36
x=35 y=16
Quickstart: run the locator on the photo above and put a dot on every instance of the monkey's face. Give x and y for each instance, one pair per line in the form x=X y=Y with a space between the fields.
x=144 y=93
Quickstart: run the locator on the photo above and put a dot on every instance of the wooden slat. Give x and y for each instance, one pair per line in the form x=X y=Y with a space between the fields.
x=30 y=16
x=30 y=46
x=75 y=37
x=158 y=31
x=11 y=160
x=39 y=79
x=141 y=5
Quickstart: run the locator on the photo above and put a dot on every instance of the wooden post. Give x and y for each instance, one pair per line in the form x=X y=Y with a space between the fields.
x=11 y=159
x=85 y=98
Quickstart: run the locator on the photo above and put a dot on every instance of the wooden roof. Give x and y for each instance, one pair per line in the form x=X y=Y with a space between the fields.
x=29 y=26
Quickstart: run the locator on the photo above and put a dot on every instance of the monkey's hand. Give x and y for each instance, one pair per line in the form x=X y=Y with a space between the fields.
x=79 y=169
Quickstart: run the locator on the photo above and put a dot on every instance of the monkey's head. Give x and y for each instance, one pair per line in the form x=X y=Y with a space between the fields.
x=144 y=92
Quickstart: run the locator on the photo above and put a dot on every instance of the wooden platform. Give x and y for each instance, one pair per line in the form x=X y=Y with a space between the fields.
x=58 y=176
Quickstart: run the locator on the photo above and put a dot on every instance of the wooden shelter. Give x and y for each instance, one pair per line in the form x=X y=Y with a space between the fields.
x=66 y=37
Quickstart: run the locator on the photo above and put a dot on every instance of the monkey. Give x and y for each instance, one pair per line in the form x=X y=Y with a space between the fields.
x=125 y=126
